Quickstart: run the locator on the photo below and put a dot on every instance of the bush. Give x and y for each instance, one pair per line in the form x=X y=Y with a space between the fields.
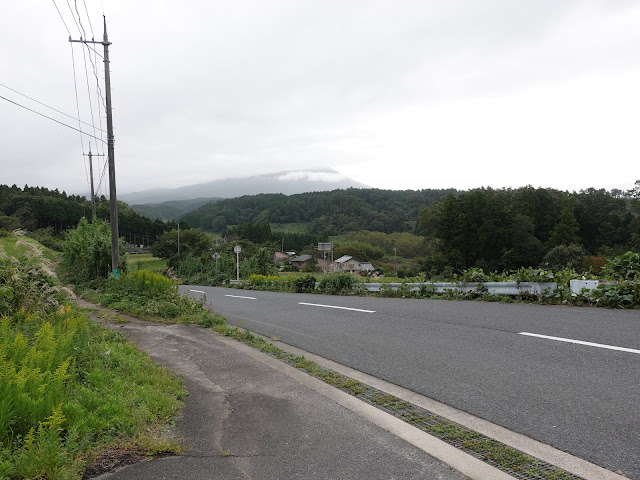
x=143 y=283
x=86 y=256
x=623 y=267
x=563 y=256
x=340 y=284
x=625 y=294
x=305 y=284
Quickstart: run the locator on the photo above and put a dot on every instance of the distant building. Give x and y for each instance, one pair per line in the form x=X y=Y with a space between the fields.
x=366 y=267
x=301 y=261
x=279 y=257
x=346 y=263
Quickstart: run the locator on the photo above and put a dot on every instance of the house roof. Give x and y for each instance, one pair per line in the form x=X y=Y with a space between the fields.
x=302 y=258
x=366 y=266
x=344 y=258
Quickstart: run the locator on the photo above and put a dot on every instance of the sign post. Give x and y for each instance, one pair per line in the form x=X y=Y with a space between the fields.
x=216 y=257
x=325 y=247
x=237 y=250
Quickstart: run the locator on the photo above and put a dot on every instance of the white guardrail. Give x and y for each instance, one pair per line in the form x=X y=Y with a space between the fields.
x=493 y=288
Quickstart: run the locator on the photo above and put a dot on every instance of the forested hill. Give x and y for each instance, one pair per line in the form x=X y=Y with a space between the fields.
x=498 y=229
x=335 y=212
x=38 y=208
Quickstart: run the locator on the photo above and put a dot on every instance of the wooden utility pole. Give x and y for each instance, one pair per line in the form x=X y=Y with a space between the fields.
x=115 y=236
x=93 y=195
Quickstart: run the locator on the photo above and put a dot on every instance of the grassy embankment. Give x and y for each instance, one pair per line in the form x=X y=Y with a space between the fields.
x=70 y=391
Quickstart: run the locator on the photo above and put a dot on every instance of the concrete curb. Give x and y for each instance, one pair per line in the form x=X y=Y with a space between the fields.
x=547 y=453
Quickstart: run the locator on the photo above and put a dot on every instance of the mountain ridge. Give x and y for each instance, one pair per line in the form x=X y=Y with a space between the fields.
x=287 y=182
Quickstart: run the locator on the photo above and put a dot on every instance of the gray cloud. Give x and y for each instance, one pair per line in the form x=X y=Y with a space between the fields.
x=206 y=90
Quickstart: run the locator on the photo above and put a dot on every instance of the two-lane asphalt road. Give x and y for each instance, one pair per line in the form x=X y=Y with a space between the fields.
x=569 y=377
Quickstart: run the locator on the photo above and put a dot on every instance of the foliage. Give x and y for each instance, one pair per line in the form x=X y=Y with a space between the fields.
x=192 y=242
x=261 y=233
x=299 y=284
x=86 y=256
x=48 y=238
x=507 y=229
x=623 y=267
x=340 y=284
x=624 y=294
x=67 y=387
x=565 y=256
x=151 y=296
x=359 y=250
x=27 y=282
x=50 y=213
x=403 y=244
x=332 y=213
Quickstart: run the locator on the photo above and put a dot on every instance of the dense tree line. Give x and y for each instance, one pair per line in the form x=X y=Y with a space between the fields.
x=332 y=213
x=38 y=209
x=509 y=228
x=261 y=233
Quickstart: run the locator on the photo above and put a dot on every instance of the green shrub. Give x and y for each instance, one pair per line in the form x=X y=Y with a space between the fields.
x=625 y=294
x=565 y=256
x=340 y=284
x=623 y=267
x=141 y=282
x=86 y=256
x=305 y=283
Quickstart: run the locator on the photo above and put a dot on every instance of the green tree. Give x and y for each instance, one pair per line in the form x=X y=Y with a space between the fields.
x=566 y=230
x=564 y=256
x=192 y=241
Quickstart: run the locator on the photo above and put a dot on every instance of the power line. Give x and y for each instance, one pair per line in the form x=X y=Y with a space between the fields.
x=74 y=18
x=45 y=105
x=86 y=74
x=75 y=85
x=61 y=18
x=88 y=18
x=45 y=116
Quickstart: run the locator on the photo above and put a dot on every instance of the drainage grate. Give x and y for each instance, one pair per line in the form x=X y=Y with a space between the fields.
x=503 y=457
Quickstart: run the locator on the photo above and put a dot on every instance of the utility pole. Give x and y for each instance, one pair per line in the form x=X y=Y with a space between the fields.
x=115 y=237
x=93 y=195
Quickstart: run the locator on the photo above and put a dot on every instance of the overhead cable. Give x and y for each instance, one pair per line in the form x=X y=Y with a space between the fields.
x=57 y=121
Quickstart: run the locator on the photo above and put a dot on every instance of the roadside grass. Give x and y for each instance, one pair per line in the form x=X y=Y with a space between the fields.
x=147 y=262
x=8 y=244
x=70 y=389
x=152 y=297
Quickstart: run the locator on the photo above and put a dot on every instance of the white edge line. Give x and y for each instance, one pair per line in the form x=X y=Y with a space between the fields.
x=334 y=306
x=580 y=342
x=238 y=296
x=197 y=291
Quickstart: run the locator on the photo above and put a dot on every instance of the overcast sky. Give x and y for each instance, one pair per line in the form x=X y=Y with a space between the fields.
x=394 y=94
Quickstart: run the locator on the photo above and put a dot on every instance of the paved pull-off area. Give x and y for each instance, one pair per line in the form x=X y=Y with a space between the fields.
x=248 y=416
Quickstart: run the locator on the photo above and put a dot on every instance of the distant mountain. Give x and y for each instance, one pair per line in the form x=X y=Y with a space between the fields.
x=289 y=183
x=171 y=210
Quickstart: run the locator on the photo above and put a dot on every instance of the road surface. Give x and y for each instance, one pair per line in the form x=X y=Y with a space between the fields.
x=566 y=376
